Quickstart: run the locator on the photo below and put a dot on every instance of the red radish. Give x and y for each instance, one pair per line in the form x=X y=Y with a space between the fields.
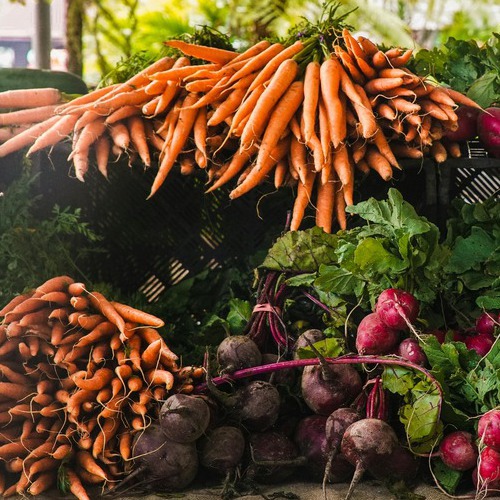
x=486 y=322
x=489 y=469
x=479 y=343
x=488 y=429
x=467 y=124
x=488 y=130
x=458 y=451
x=374 y=336
x=410 y=350
x=397 y=309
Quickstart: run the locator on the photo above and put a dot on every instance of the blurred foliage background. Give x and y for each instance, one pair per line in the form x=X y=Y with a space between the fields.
x=102 y=32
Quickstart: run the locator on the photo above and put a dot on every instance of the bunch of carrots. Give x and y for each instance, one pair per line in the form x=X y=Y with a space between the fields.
x=281 y=112
x=79 y=376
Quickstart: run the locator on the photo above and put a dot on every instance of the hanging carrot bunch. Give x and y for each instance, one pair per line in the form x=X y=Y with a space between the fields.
x=312 y=112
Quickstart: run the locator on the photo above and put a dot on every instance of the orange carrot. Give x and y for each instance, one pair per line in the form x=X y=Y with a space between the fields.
x=302 y=199
x=274 y=64
x=378 y=85
x=86 y=461
x=384 y=148
x=325 y=198
x=365 y=114
x=438 y=152
x=27 y=116
x=403 y=106
x=401 y=60
x=311 y=98
x=30 y=98
x=97 y=381
x=379 y=163
x=183 y=128
x=27 y=137
x=458 y=97
x=344 y=170
x=227 y=107
x=212 y=54
x=42 y=483
x=368 y=46
x=138 y=137
x=160 y=377
x=134 y=315
x=104 y=306
x=278 y=85
x=200 y=136
x=75 y=485
x=349 y=64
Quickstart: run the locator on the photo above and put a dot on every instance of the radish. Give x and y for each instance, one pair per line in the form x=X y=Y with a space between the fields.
x=366 y=443
x=488 y=130
x=479 y=343
x=486 y=323
x=458 y=451
x=467 y=124
x=410 y=350
x=397 y=309
x=488 y=429
x=374 y=336
x=488 y=469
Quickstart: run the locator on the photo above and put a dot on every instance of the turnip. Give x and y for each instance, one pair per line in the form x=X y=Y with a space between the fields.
x=486 y=323
x=374 y=336
x=467 y=124
x=310 y=437
x=488 y=429
x=458 y=451
x=258 y=405
x=325 y=387
x=479 y=343
x=488 y=470
x=236 y=352
x=397 y=309
x=221 y=451
x=488 y=130
x=164 y=464
x=274 y=457
x=366 y=443
x=410 y=350
x=184 y=418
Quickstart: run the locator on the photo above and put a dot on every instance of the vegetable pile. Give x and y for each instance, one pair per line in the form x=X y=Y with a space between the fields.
x=80 y=376
x=309 y=111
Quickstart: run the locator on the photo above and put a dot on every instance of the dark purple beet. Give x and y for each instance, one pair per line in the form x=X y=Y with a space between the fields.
x=280 y=377
x=337 y=423
x=326 y=389
x=305 y=338
x=274 y=457
x=237 y=352
x=310 y=437
x=222 y=450
x=258 y=405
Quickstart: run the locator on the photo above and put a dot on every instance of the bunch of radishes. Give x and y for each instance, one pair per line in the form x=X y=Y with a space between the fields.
x=382 y=331
x=479 y=454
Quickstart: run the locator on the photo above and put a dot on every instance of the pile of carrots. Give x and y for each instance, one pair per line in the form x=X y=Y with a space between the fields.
x=79 y=376
x=254 y=116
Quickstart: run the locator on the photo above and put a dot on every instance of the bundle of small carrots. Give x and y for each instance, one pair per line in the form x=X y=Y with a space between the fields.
x=277 y=111
x=79 y=376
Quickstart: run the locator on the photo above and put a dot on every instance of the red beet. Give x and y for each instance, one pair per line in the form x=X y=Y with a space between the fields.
x=467 y=124
x=486 y=322
x=410 y=350
x=479 y=343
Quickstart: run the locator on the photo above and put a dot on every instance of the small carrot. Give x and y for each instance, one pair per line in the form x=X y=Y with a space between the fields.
x=350 y=65
x=86 y=461
x=120 y=135
x=75 y=485
x=438 y=152
x=367 y=45
x=200 y=135
x=134 y=315
x=227 y=107
x=138 y=138
x=97 y=381
x=104 y=307
x=160 y=377
x=378 y=85
x=17 y=299
x=42 y=483
x=27 y=116
x=55 y=284
x=401 y=60
x=311 y=98
x=302 y=199
x=212 y=54
x=325 y=198
x=378 y=162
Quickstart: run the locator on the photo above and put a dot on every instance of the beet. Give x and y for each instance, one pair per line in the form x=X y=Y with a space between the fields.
x=410 y=350
x=237 y=352
x=258 y=405
x=327 y=388
x=307 y=338
x=221 y=451
x=458 y=451
x=467 y=124
x=488 y=429
x=367 y=443
x=337 y=423
x=184 y=418
x=274 y=457
x=310 y=437
x=488 y=130
x=374 y=336
x=165 y=465
x=281 y=377
x=397 y=309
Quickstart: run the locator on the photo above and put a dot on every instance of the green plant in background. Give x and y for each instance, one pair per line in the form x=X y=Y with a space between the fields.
x=33 y=249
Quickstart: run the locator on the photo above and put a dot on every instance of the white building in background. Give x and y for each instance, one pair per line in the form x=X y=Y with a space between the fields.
x=17 y=30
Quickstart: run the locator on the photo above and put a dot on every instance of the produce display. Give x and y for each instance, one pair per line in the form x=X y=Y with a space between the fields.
x=309 y=111
x=80 y=375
